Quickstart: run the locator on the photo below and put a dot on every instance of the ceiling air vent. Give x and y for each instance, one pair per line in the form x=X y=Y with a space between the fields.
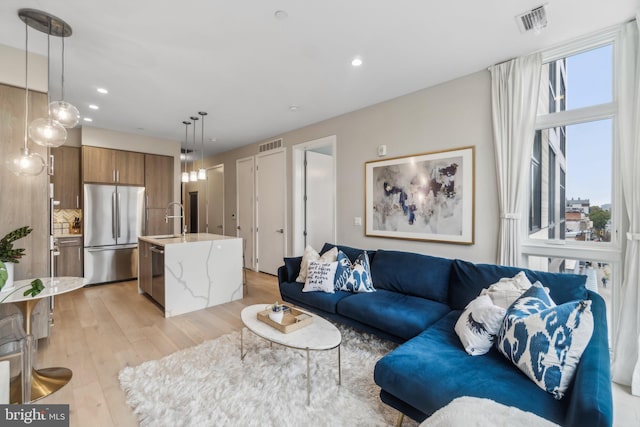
x=534 y=20
x=271 y=145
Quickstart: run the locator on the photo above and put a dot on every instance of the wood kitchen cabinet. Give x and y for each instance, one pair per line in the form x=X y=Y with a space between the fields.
x=69 y=260
x=158 y=181
x=66 y=177
x=107 y=166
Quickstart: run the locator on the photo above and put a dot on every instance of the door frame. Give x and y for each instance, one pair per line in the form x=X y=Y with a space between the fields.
x=252 y=265
x=298 y=189
x=218 y=166
x=282 y=150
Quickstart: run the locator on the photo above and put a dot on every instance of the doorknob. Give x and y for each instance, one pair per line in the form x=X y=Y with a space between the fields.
x=280 y=230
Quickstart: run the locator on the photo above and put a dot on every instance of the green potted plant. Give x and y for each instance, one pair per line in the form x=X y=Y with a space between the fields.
x=9 y=256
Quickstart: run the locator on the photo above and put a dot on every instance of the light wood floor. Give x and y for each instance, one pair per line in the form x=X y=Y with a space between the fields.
x=101 y=329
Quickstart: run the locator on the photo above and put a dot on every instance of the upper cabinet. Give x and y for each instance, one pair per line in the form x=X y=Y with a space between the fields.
x=158 y=180
x=66 y=176
x=107 y=166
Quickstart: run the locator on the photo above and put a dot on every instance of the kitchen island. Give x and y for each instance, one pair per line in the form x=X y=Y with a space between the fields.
x=191 y=272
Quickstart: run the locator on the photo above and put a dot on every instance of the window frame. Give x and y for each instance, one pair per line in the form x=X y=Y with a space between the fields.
x=601 y=251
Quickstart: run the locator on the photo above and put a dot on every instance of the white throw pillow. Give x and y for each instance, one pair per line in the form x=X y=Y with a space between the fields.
x=508 y=289
x=479 y=324
x=320 y=276
x=311 y=254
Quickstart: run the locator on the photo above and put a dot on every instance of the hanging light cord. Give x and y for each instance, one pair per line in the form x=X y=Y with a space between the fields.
x=26 y=83
x=186 y=141
x=62 y=78
x=48 y=70
x=193 y=161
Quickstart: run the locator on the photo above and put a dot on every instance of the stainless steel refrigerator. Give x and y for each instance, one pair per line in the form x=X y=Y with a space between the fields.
x=113 y=220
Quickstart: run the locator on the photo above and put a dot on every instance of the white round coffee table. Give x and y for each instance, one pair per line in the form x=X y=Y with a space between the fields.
x=320 y=335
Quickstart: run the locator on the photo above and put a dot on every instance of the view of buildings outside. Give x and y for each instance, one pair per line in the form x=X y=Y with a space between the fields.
x=571 y=166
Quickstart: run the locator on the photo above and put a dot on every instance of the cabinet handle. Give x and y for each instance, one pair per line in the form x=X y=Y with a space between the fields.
x=113 y=175
x=77 y=201
x=79 y=254
x=117 y=175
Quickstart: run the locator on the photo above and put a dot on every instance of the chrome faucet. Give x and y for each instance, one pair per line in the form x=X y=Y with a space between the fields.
x=167 y=216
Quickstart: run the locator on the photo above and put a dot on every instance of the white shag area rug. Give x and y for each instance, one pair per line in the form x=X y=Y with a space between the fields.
x=208 y=385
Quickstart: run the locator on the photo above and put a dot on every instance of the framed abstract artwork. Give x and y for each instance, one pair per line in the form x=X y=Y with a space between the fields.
x=428 y=196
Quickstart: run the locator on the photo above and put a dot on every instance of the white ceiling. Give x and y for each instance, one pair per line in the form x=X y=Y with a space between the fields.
x=163 y=60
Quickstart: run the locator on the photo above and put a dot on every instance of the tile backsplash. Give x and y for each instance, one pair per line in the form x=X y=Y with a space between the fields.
x=63 y=220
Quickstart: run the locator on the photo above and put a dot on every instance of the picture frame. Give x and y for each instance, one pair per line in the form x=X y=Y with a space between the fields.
x=427 y=196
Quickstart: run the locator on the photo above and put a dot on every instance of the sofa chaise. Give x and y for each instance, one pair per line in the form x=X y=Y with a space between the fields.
x=418 y=300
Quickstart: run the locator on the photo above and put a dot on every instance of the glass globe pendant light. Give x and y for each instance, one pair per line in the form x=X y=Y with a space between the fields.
x=63 y=112
x=202 y=173
x=26 y=163
x=47 y=131
x=184 y=176
x=193 y=175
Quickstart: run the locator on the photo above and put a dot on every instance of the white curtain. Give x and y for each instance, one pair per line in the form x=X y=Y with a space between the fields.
x=514 y=100
x=626 y=363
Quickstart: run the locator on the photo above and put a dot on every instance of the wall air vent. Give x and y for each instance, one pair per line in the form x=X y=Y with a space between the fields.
x=271 y=145
x=534 y=20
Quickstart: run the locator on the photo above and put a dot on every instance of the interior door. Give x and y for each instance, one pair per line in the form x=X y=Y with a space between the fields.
x=245 y=196
x=319 y=206
x=215 y=200
x=270 y=190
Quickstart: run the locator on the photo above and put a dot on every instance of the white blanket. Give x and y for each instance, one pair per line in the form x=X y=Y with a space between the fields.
x=475 y=412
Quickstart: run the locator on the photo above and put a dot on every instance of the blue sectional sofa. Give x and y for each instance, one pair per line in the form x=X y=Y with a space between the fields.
x=417 y=302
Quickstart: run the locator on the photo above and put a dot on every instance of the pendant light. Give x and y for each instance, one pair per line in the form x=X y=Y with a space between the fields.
x=26 y=163
x=47 y=132
x=193 y=175
x=184 y=177
x=65 y=113
x=202 y=173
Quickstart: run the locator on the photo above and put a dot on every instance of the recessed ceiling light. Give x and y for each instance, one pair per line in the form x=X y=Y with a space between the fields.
x=294 y=107
x=94 y=107
x=88 y=119
x=281 y=14
x=102 y=90
x=357 y=61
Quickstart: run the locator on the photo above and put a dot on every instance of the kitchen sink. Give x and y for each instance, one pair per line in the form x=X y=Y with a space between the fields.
x=165 y=236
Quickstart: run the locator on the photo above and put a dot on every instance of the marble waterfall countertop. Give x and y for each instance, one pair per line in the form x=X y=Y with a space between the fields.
x=200 y=270
x=170 y=239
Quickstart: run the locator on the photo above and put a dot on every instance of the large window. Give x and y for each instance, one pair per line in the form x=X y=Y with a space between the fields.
x=573 y=202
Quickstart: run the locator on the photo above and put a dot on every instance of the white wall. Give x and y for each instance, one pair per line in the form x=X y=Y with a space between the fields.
x=453 y=114
x=12 y=69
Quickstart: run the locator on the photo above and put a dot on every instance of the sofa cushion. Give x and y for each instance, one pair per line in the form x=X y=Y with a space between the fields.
x=352 y=253
x=545 y=340
x=309 y=255
x=292 y=291
x=413 y=274
x=479 y=325
x=397 y=314
x=320 y=277
x=293 y=267
x=353 y=277
x=468 y=279
x=430 y=370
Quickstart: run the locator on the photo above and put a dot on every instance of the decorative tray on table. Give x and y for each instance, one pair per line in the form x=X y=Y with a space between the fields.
x=292 y=320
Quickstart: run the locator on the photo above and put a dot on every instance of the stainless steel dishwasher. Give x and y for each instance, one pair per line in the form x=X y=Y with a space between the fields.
x=157 y=274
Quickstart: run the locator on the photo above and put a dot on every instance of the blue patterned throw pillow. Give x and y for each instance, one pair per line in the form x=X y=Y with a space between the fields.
x=545 y=340
x=354 y=277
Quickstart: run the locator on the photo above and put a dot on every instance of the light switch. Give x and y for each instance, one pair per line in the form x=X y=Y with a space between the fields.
x=357 y=220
